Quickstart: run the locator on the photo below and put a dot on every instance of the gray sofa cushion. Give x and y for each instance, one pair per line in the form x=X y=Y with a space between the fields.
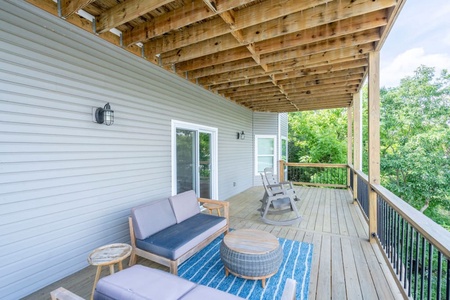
x=184 y=205
x=152 y=217
x=139 y=283
x=180 y=238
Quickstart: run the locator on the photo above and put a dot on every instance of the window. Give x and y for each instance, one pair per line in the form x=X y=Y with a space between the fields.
x=265 y=153
x=284 y=148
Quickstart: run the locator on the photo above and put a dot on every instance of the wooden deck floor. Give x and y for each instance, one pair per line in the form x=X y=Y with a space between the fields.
x=345 y=265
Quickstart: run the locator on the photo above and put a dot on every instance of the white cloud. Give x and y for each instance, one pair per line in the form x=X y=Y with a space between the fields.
x=407 y=62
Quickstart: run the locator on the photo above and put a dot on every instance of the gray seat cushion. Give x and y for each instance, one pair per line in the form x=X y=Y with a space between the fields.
x=139 y=282
x=184 y=205
x=180 y=238
x=152 y=217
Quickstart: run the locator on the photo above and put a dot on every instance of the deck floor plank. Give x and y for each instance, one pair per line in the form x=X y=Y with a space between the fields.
x=344 y=264
x=337 y=269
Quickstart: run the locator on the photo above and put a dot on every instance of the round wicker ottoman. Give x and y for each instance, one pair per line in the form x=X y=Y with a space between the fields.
x=251 y=254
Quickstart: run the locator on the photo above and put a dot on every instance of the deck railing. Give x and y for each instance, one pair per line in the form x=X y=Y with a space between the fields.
x=322 y=175
x=415 y=247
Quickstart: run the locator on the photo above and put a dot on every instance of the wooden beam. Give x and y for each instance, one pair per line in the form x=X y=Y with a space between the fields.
x=318 y=70
x=190 y=13
x=204 y=48
x=292 y=65
x=321 y=87
x=69 y=7
x=233 y=76
x=345 y=41
x=125 y=12
x=223 y=68
x=315 y=16
x=308 y=82
x=374 y=139
x=214 y=59
x=238 y=83
x=323 y=32
x=265 y=90
x=322 y=58
x=246 y=88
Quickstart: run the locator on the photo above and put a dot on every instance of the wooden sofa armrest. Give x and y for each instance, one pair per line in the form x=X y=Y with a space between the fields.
x=289 y=290
x=63 y=294
x=224 y=204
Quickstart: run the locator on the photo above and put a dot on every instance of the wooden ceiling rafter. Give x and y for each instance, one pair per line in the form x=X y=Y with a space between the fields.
x=267 y=55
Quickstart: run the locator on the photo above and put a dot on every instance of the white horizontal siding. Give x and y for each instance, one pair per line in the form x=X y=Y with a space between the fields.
x=66 y=183
x=265 y=123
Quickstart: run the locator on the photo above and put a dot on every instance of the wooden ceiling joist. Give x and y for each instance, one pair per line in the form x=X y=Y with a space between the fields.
x=267 y=55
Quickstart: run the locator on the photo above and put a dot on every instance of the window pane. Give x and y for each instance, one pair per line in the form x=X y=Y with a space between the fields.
x=265 y=146
x=264 y=162
x=186 y=161
x=284 y=149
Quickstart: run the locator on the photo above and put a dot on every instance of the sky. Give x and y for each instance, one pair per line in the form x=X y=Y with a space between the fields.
x=420 y=36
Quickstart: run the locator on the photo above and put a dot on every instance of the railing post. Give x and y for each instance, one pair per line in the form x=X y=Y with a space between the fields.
x=281 y=173
x=374 y=139
x=357 y=143
x=349 y=143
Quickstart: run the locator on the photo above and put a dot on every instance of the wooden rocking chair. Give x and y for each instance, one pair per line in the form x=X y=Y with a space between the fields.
x=271 y=179
x=277 y=200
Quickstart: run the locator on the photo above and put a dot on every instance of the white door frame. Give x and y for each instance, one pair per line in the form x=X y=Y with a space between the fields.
x=214 y=153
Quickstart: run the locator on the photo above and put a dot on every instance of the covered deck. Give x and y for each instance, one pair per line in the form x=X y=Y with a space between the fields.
x=345 y=265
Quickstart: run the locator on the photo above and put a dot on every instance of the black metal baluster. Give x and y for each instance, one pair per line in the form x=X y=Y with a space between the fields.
x=447 y=294
x=388 y=242
x=406 y=256
x=430 y=269
x=416 y=265
x=395 y=242
x=410 y=261
x=401 y=249
x=439 y=274
x=384 y=225
x=422 y=278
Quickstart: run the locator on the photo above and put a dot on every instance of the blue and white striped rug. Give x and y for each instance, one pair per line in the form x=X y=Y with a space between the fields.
x=206 y=268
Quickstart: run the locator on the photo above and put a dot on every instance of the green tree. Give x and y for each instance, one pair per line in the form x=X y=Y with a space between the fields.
x=318 y=136
x=415 y=141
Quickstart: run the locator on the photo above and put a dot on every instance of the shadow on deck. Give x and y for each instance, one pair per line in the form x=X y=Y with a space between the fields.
x=345 y=265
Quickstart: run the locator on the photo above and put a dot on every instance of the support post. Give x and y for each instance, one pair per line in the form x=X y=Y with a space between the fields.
x=349 y=143
x=374 y=139
x=357 y=143
x=281 y=173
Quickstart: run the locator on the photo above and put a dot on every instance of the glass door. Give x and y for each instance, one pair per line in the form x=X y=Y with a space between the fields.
x=186 y=160
x=194 y=163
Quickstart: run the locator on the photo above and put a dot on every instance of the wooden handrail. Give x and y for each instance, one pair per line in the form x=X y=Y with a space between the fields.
x=317 y=165
x=438 y=236
x=363 y=176
x=433 y=232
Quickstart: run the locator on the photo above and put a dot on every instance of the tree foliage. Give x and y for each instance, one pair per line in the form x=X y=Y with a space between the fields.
x=414 y=139
x=318 y=136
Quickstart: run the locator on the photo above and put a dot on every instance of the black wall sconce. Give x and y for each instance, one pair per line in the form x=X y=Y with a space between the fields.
x=103 y=115
x=241 y=135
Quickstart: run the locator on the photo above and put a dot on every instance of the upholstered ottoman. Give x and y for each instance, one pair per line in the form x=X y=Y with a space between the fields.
x=139 y=283
x=251 y=254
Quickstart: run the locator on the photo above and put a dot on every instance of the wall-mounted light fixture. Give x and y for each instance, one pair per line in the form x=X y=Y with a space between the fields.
x=103 y=115
x=241 y=135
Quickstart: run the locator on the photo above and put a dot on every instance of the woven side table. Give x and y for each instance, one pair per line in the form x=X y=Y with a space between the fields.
x=108 y=255
x=251 y=254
